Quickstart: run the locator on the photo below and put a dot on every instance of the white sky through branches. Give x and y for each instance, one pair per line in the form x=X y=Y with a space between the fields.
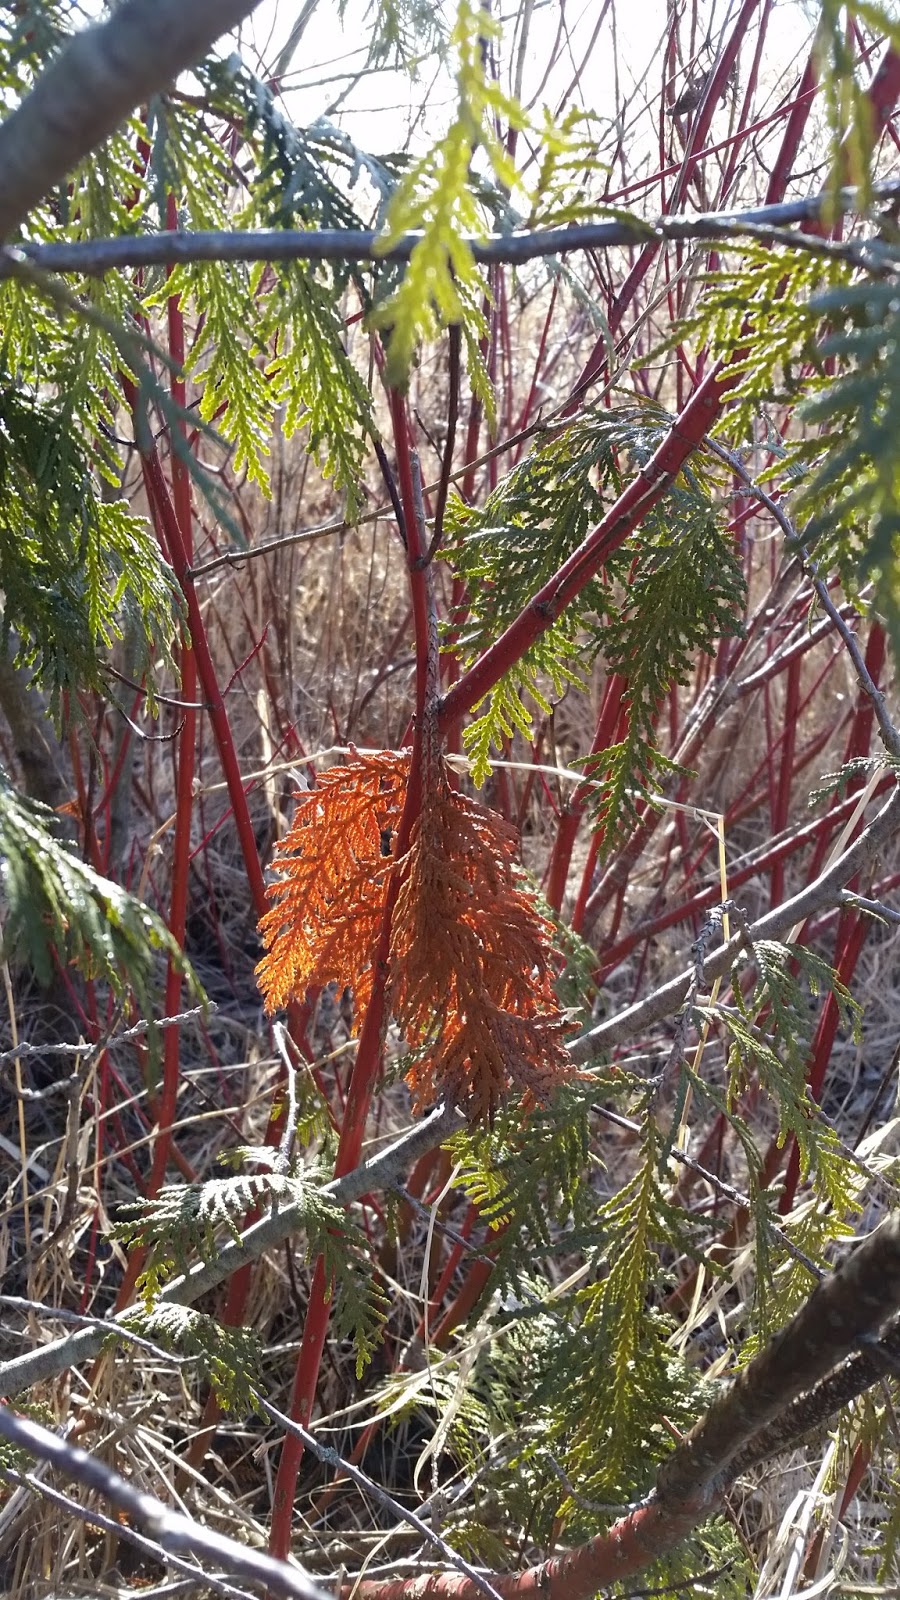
x=327 y=74
x=610 y=68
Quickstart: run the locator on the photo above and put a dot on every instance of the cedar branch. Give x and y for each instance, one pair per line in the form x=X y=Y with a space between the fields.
x=384 y=1171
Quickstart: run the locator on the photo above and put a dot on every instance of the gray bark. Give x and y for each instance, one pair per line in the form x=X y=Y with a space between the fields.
x=93 y=84
x=36 y=745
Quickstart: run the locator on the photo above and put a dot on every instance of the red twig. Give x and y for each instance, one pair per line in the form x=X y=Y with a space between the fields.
x=187 y=739
x=371 y=1039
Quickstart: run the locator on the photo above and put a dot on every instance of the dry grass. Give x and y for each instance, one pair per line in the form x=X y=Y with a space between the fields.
x=314 y=642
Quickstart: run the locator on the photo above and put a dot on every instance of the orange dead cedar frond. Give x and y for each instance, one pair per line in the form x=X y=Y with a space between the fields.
x=471 y=960
x=333 y=864
x=488 y=1049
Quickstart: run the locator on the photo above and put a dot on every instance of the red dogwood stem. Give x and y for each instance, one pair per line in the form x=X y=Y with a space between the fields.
x=632 y=1545
x=371 y=1038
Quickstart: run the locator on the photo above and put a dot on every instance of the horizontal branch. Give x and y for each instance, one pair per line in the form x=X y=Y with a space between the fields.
x=38 y=1484
x=382 y=1172
x=93 y=84
x=21 y=1052
x=94 y=257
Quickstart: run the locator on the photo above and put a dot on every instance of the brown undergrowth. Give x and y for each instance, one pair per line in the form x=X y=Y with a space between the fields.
x=312 y=641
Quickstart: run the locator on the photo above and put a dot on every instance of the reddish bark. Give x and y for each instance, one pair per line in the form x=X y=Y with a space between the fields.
x=371 y=1039
x=187 y=739
x=626 y=514
x=630 y=1547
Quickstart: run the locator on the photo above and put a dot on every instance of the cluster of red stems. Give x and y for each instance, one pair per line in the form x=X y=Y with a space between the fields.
x=391 y=879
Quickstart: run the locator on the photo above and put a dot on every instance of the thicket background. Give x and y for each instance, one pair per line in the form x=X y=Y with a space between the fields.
x=658 y=534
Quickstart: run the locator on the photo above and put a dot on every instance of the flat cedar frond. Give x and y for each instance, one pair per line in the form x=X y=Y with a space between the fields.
x=471 y=961
x=486 y=1049
x=471 y=958
x=326 y=905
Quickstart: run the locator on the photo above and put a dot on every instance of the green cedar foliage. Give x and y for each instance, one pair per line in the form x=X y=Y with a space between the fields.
x=29 y=34
x=532 y=1182
x=823 y=333
x=464 y=183
x=185 y=1221
x=226 y=1357
x=778 y=1052
x=684 y=593
x=563 y=191
x=74 y=567
x=435 y=196
x=58 y=910
x=527 y=1176
x=294 y=362
x=404 y=32
x=315 y=384
x=673 y=589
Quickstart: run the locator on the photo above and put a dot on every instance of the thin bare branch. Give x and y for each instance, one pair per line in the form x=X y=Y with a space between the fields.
x=95 y=257
x=169 y=1529
x=331 y=1458
x=826 y=890
x=195 y=1576
x=20 y=1052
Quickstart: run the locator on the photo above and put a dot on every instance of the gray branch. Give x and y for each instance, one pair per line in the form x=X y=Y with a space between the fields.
x=93 y=84
x=169 y=1529
x=877 y=1358
x=826 y=890
x=384 y=1171
x=95 y=257
x=846 y=1308
x=123 y=1530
